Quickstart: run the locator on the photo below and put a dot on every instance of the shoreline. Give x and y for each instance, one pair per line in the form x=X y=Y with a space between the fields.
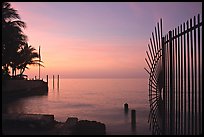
x=14 y=89
x=113 y=129
x=45 y=124
x=40 y=124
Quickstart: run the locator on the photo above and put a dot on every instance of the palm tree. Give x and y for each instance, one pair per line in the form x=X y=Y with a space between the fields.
x=15 y=50
x=12 y=36
x=27 y=56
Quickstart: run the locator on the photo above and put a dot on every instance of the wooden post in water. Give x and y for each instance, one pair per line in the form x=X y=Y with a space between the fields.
x=133 y=116
x=58 y=82
x=53 y=81
x=126 y=107
x=133 y=119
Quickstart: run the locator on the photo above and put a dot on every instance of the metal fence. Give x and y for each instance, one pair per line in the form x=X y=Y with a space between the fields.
x=175 y=82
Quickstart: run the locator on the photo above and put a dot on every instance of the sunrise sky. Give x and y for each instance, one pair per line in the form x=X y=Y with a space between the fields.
x=97 y=40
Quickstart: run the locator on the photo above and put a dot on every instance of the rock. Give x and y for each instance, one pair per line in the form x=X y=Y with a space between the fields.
x=66 y=128
x=27 y=122
x=71 y=122
x=86 y=127
x=41 y=124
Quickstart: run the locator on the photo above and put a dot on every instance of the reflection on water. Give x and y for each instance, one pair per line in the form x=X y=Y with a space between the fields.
x=93 y=99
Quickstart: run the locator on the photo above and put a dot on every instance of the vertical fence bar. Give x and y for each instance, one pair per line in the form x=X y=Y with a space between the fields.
x=192 y=80
x=195 y=61
x=169 y=75
x=171 y=85
x=165 y=78
x=199 y=83
x=188 y=63
x=167 y=87
x=179 y=82
x=185 y=84
x=182 y=81
x=164 y=86
x=175 y=80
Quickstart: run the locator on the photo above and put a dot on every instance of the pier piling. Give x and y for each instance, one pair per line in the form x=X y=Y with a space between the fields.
x=126 y=107
x=133 y=116
x=53 y=81
x=58 y=82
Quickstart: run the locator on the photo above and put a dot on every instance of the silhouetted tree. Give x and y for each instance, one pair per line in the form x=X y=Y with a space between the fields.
x=27 y=56
x=12 y=36
x=16 y=53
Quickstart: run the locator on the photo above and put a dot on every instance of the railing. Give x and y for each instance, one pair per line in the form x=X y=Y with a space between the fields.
x=175 y=82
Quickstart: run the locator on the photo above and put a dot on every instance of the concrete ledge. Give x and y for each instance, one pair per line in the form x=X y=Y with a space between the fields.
x=21 y=88
x=36 y=120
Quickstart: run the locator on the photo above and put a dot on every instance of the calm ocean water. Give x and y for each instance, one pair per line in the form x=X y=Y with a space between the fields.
x=93 y=99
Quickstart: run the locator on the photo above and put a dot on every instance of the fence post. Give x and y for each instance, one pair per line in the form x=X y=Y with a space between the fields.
x=171 y=85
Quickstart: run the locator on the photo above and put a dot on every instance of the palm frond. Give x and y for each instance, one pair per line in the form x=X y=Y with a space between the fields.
x=8 y=13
